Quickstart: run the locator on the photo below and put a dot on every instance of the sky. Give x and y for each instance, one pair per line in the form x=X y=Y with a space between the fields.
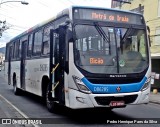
x=22 y=17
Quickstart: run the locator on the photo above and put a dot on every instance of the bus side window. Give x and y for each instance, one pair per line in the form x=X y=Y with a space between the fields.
x=16 y=53
x=46 y=38
x=45 y=48
x=7 y=53
x=37 y=43
x=29 y=50
x=13 y=50
x=19 y=48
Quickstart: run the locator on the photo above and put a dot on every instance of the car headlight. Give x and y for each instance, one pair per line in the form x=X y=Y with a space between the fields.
x=147 y=84
x=81 y=86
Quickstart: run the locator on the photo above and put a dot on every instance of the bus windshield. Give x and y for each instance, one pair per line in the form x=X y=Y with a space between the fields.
x=110 y=50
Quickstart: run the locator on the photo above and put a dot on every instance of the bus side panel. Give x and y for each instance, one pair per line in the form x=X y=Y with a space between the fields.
x=15 y=69
x=35 y=70
x=72 y=91
x=66 y=89
x=6 y=71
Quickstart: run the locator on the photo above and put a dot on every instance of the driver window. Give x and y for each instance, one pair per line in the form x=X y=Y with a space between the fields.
x=142 y=46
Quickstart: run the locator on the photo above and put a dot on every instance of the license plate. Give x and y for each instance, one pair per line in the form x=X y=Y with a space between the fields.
x=116 y=103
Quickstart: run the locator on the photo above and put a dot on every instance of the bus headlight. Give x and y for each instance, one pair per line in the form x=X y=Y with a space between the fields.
x=147 y=84
x=81 y=86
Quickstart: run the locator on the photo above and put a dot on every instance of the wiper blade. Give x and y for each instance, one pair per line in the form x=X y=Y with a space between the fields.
x=126 y=34
x=101 y=32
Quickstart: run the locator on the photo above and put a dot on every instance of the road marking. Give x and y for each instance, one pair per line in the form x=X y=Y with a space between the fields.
x=23 y=114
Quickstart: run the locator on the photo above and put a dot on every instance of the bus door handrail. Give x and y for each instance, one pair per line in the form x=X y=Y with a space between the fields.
x=54 y=68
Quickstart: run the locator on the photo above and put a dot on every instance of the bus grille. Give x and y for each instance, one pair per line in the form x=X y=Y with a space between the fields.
x=114 y=81
x=106 y=100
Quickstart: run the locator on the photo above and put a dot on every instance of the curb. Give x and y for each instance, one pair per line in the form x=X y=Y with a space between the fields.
x=154 y=102
x=13 y=112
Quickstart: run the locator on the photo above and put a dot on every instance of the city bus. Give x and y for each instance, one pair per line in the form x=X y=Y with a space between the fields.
x=84 y=57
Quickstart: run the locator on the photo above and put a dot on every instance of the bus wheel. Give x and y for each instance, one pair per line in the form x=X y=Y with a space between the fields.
x=15 y=89
x=51 y=105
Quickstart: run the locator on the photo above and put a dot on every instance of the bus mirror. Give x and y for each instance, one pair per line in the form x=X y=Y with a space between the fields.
x=68 y=21
x=69 y=35
x=64 y=24
x=148 y=29
x=149 y=40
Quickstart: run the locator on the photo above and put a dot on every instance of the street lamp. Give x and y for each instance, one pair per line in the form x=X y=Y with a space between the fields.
x=22 y=2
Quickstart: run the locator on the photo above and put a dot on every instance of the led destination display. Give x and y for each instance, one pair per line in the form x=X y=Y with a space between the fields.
x=107 y=15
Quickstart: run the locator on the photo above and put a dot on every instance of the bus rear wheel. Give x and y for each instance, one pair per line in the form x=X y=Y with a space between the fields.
x=50 y=103
x=15 y=89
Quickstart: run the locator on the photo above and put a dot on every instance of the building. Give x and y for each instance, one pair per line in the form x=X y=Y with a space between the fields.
x=1 y=58
x=151 y=11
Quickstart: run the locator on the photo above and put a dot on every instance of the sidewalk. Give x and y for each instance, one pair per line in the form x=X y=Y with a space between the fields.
x=155 y=98
x=8 y=113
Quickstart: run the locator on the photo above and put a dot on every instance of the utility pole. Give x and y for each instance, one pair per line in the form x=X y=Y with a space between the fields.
x=140 y=8
x=121 y=2
x=3 y=27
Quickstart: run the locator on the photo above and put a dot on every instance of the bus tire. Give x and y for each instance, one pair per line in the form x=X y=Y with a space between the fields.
x=51 y=105
x=15 y=89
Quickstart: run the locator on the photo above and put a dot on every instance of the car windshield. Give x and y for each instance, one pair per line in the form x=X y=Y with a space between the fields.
x=109 y=50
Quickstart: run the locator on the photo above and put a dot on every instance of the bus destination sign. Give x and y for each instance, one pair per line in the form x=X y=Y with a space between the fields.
x=107 y=15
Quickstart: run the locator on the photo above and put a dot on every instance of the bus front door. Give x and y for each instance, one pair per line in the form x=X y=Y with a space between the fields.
x=23 y=64
x=57 y=56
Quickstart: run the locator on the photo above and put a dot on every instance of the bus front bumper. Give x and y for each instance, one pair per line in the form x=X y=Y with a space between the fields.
x=79 y=100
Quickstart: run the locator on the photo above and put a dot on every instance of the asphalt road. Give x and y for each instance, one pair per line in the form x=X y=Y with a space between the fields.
x=33 y=107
